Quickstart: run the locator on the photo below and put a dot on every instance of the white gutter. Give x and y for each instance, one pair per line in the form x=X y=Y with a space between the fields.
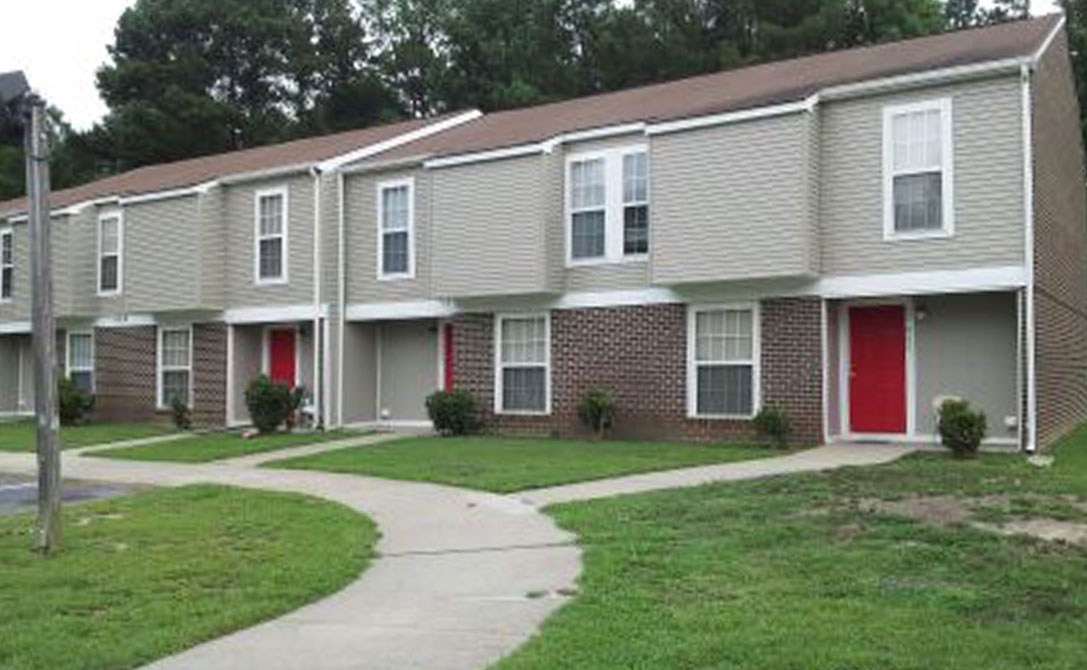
x=1028 y=252
x=399 y=140
x=318 y=400
x=268 y=173
x=805 y=105
x=341 y=290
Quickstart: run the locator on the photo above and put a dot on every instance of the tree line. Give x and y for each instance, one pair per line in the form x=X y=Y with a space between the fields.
x=193 y=77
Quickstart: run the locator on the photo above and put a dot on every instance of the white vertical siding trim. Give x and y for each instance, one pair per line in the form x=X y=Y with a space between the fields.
x=1028 y=250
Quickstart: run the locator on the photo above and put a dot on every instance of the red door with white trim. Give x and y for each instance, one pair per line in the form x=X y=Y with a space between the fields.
x=282 y=357
x=877 y=369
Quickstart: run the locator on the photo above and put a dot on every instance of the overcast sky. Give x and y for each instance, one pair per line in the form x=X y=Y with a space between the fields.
x=61 y=43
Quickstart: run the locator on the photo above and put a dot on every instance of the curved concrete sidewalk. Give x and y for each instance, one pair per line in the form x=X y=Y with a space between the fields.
x=463 y=578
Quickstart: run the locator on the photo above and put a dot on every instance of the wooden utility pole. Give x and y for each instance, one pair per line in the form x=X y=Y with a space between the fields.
x=44 y=339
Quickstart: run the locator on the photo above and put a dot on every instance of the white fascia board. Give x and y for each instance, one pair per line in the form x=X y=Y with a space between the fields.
x=168 y=195
x=15 y=327
x=125 y=321
x=269 y=173
x=593 y=134
x=400 y=140
x=805 y=105
x=420 y=309
x=484 y=156
x=926 y=78
x=920 y=283
x=273 y=314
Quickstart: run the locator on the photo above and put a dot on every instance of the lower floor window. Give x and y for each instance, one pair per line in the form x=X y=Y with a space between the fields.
x=723 y=360
x=175 y=366
x=523 y=357
x=81 y=360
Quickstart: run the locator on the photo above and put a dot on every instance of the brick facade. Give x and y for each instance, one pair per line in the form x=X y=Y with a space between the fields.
x=124 y=367
x=209 y=375
x=640 y=354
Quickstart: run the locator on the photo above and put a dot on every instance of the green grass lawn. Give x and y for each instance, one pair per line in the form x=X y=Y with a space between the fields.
x=506 y=464
x=21 y=435
x=799 y=572
x=217 y=446
x=148 y=575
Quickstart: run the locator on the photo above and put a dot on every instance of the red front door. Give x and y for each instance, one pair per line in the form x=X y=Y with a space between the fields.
x=281 y=356
x=877 y=369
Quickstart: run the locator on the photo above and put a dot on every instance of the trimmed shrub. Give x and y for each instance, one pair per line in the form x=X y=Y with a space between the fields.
x=961 y=427
x=453 y=412
x=774 y=425
x=269 y=403
x=597 y=411
x=73 y=403
x=179 y=412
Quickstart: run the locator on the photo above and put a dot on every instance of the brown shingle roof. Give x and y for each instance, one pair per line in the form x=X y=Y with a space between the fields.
x=181 y=174
x=734 y=90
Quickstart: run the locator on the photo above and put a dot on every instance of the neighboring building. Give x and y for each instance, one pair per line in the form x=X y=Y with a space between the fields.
x=850 y=237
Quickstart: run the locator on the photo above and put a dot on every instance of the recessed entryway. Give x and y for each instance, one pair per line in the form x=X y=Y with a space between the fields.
x=877 y=369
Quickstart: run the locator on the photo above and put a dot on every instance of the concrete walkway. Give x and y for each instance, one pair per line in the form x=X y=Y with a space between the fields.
x=463 y=577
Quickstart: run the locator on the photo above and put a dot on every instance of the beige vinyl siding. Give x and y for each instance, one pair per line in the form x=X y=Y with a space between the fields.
x=81 y=267
x=238 y=212
x=360 y=372
x=732 y=201
x=18 y=307
x=1060 y=234
x=214 y=253
x=489 y=228
x=10 y=354
x=409 y=368
x=361 y=233
x=162 y=260
x=988 y=174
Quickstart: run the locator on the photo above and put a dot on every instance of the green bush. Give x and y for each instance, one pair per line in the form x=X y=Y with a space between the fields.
x=774 y=425
x=179 y=412
x=269 y=403
x=961 y=427
x=597 y=411
x=74 y=403
x=295 y=399
x=453 y=412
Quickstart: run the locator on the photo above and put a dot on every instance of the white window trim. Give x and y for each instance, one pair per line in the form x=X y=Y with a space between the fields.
x=613 y=205
x=10 y=234
x=756 y=362
x=498 y=365
x=69 y=367
x=284 y=193
x=947 y=170
x=105 y=216
x=160 y=402
x=383 y=186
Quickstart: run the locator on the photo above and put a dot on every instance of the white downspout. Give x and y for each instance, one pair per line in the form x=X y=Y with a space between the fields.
x=342 y=298
x=1028 y=251
x=318 y=399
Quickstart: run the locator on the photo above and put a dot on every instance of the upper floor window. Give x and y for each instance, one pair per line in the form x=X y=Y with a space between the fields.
x=7 y=264
x=110 y=254
x=81 y=360
x=607 y=206
x=175 y=366
x=523 y=364
x=722 y=361
x=917 y=170
x=396 y=223
x=271 y=236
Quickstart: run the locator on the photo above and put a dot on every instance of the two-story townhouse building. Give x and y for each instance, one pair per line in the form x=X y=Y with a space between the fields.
x=850 y=237
x=178 y=279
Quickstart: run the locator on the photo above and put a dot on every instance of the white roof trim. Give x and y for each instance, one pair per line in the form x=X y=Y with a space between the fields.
x=806 y=105
x=1049 y=39
x=420 y=309
x=399 y=140
x=274 y=314
x=484 y=156
x=14 y=328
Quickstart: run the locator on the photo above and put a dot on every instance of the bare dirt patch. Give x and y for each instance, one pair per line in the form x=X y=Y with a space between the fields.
x=998 y=513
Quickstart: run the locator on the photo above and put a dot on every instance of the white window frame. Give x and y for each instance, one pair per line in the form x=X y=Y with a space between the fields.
x=70 y=367
x=947 y=171
x=160 y=368
x=388 y=185
x=7 y=234
x=284 y=193
x=613 y=204
x=693 y=363
x=499 y=366
x=118 y=215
